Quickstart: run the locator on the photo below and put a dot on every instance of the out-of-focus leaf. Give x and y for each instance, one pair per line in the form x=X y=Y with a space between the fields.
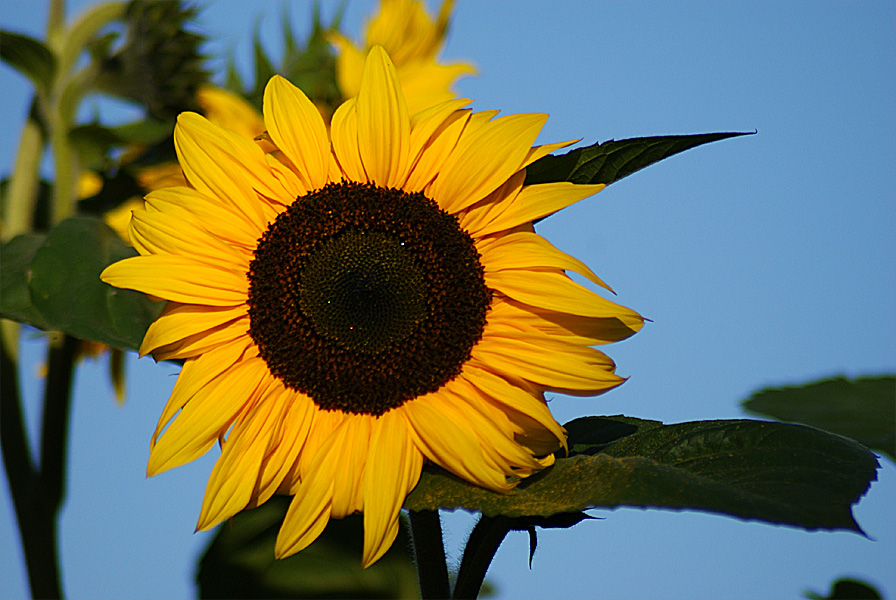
x=754 y=470
x=60 y=272
x=311 y=65
x=15 y=296
x=30 y=57
x=847 y=589
x=92 y=143
x=612 y=160
x=240 y=563
x=863 y=409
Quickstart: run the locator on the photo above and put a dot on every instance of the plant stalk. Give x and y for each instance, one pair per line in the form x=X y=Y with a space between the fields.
x=429 y=552
x=484 y=541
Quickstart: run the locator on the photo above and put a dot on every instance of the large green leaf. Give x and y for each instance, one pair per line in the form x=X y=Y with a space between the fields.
x=612 y=160
x=30 y=57
x=53 y=283
x=15 y=295
x=863 y=408
x=240 y=562
x=754 y=470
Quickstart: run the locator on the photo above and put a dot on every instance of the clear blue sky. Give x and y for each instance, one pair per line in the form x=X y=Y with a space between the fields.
x=765 y=260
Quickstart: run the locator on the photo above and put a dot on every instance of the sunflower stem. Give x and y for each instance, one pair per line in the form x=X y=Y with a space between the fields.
x=57 y=406
x=484 y=541
x=37 y=494
x=429 y=552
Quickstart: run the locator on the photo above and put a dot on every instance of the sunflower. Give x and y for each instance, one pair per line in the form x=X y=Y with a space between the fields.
x=351 y=305
x=413 y=41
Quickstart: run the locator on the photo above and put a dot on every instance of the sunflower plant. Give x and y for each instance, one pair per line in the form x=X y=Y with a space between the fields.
x=345 y=261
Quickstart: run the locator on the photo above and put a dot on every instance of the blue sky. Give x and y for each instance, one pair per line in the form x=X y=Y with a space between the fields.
x=765 y=260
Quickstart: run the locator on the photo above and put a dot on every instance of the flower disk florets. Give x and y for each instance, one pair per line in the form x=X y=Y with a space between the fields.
x=365 y=297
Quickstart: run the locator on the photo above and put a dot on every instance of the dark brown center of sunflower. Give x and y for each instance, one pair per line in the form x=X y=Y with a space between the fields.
x=365 y=297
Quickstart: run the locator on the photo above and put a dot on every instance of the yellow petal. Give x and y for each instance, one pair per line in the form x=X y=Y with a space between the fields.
x=225 y=165
x=159 y=233
x=554 y=290
x=561 y=367
x=524 y=250
x=393 y=469
x=349 y=65
x=195 y=375
x=426 y=124
x=384 y=126
x=521 y=405
x=314 y=500
x=287 y=441
x=178 y=278
x=200 y=343
x=348 y=496
x=437 y=148
x=189 y=205
x=205 y=418
x=508 y=315
x=183 y=321
x=484 y=159
x=344 y=129
x=536 y=202
x=295 y=125
x=438 y=436
x=229 y=110
x=232 y=481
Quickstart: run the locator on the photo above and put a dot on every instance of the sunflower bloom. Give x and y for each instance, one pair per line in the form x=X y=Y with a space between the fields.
x=351 y=305
x=413 y=41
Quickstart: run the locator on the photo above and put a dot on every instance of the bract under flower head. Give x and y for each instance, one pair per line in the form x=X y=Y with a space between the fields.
x=350 y=305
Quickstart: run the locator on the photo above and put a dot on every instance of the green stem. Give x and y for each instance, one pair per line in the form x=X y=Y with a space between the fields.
x=37 y=494
x=57 y=406
x=20 y=200
x=429 y=552
x=484 y=541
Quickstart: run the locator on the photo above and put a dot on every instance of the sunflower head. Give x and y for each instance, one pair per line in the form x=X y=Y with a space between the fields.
x=352 y=302
x=413 y=40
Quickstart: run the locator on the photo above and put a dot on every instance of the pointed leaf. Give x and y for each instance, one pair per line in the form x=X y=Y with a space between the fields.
x=240 y=563
x=612 y=160
x=753 y=470
x=64 y=292
x=30 y=57
x=862 y=409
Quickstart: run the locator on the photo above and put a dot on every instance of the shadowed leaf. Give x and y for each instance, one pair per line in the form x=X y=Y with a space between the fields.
x=240 y=562
x=753 y=470
x=863 y=409
x=56 y=285
x=847 y=589
x=15 y=296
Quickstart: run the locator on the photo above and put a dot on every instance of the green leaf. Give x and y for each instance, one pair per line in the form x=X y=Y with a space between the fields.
x=240 y=563
x=64 y=291
x=612 y=160
x=862 y=409
x=15 y=296
x=753 y=470
x=30 y=57
x=847 y=589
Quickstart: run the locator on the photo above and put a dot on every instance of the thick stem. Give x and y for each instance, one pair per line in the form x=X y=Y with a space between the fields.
x=429 y=551
x=484 y=541
x=35 y=513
